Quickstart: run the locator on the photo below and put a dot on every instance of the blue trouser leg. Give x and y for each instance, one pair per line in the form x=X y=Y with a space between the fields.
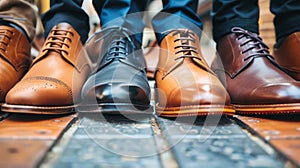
x=227 y=14
x=122 y=13
x=67 y=11
x=245 y=14
x=287 y=17
x=177 y=14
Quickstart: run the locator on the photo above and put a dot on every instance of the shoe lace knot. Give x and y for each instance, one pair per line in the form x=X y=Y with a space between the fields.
x=186 y=48
x=253 y=44
x=185 y=42
x=59 y=41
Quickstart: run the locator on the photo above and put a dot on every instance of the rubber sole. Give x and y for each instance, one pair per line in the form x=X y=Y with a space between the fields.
x=116 y=108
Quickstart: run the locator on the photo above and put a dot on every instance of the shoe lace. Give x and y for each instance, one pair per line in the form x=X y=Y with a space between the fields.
x=185 y=47
x=6 y=34
x=255 y=44
x=57 y=39
x=5 y=37
x=117 y=48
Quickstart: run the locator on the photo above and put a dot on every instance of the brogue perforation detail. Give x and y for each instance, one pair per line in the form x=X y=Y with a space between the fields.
x=54 y=80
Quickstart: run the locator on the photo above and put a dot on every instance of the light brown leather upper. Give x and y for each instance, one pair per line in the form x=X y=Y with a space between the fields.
x=288 y=55
x=183 y=78
x=57 y=74
x=251 y=76
x=15 y=58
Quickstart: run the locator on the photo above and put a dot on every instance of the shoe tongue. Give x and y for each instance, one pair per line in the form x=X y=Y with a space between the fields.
x=184 y=34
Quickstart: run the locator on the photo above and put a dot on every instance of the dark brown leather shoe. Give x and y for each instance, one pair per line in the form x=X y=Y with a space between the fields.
x=15 y=58
x=253 y=79
x=186 y=86
x=288 y=55
x=54 y=81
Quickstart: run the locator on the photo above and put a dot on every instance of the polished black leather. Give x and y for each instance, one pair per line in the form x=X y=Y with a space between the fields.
x=119 y=82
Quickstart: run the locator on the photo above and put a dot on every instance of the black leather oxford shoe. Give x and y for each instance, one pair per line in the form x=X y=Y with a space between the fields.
x=119 y=83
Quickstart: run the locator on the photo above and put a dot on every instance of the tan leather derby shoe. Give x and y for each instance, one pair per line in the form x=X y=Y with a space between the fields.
x=254 y=81
x=186 y=86
x=15 y=58
x=54 y=81
x=288 y=55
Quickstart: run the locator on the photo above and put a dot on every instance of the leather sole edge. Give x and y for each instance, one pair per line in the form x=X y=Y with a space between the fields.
x=116 y=108
x=196 y=110
x=268 y=109
x=9 y=108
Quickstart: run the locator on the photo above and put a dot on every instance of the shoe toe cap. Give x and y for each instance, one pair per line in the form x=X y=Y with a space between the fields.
x=40 y=92
x=204 y=94
x=117 y=93
x=277 y=93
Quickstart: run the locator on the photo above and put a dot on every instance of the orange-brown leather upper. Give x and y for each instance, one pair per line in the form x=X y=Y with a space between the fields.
x=183 y=78
x=57 y=74
x=288 y=55
x=15 y=58
x=250 y=74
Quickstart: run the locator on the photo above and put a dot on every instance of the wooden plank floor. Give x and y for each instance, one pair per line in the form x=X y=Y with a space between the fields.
x=281 y=132
x=26 y=139
x=93 y=140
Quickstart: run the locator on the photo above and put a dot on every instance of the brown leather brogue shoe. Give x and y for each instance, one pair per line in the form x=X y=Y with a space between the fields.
x=254 y=81
x=186 y=86
x=54 y=81
x=288 y=55
x=15 y=58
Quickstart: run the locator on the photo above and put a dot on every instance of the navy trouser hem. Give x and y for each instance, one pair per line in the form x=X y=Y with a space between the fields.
x=222 y=29
x=82 y=29
x=289 y=26
x=163 y=23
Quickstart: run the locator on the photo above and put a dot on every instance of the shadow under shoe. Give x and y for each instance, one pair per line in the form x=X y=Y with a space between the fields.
x=54 y=81
x=119 y=84
x=15 y=58
x=288 y=55
x=185 y=85
x=255 y=82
